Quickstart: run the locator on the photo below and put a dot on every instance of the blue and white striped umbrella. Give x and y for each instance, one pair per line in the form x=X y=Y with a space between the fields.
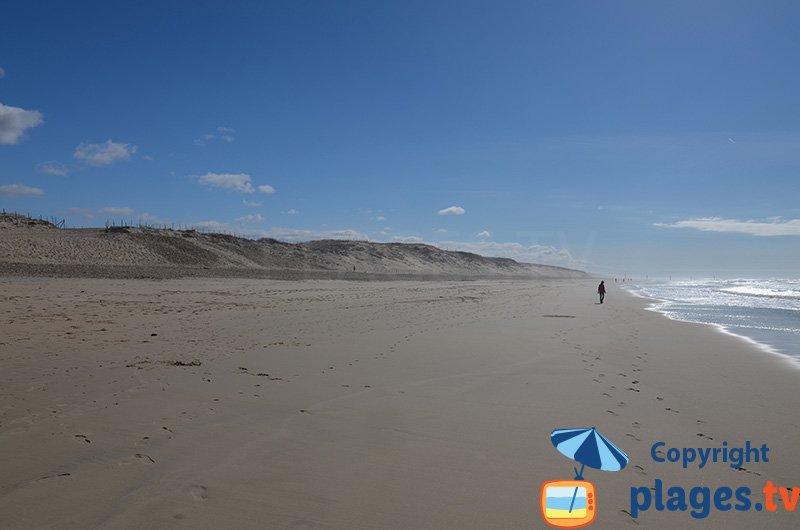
x=590 y=448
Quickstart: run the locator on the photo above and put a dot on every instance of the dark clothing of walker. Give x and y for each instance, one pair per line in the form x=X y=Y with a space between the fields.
x=601 y=290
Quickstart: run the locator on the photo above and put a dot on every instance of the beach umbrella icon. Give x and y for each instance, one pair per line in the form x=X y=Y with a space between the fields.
x=590 y=448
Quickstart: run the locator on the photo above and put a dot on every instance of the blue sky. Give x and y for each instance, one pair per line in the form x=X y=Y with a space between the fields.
x=620 y=137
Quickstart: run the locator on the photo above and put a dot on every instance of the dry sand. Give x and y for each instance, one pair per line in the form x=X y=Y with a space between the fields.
x=235 y=403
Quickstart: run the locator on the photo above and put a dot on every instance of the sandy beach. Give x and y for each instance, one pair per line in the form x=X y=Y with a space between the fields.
x=251 y=403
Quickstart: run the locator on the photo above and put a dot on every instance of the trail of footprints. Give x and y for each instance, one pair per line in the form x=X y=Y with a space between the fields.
x=635 y=425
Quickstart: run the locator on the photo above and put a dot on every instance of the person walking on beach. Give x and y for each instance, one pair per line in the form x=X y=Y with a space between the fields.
x=601 y=290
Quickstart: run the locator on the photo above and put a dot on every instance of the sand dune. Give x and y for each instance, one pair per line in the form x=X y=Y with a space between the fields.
x=33 y=247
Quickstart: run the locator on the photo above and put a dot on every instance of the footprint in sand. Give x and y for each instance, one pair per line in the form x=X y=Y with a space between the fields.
x=752 y=473
x=640 y=470
x=672 y=410
x=630 y=517
x=198 y=493
x=635 y=425
x=607 y=394
x=612 y=413
x=701 y=435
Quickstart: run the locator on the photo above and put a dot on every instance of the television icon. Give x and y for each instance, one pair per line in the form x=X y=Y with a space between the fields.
x=568 y=503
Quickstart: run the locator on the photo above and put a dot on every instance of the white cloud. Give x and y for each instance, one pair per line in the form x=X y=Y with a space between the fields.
x=117 y=210
x=210 y=225
x=253 y=218
x=53 y=167
x=380 y=218
x=252 y=204
x=765 y=228
x=295 y=235
x=407 y=239
x=147 y=157
x=440 y=231
x=203 y=140
x=2 y=73
x=148 y=218
x=239 y=182
x=484 y=234
x=103 y=154
x=14 y=121
x=225 y=134
x=83 y=212
x=386 y=230
x=18 y=190
x=292 y=211
x=523 y=253
x=452 y=210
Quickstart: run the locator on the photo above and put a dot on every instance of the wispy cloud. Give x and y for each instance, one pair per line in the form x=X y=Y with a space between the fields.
x=86 y=213
x=253 y=218
x=292 y=211
x=239 y=182
x=407 y=239
x=19 y=190
x=210 y=225
x=542 y=254
x=149 y=218
x=452 y=210
x=763 y=228
x=483 y=234
x=117 y=210
x=103 y=154
x=53 y=167
x=295 y=235
x=252 y=204
x=223 y=134
x=2 y=73
x=14 y=121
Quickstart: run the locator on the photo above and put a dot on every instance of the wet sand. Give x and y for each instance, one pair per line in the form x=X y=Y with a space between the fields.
x=247 y=403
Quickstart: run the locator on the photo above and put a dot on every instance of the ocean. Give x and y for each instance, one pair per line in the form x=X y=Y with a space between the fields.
x=765 y=311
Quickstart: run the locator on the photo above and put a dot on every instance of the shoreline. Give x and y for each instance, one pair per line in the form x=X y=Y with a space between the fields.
x=793 y=360
x=209 y=403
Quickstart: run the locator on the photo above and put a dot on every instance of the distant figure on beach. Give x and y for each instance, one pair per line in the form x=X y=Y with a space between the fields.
x=601 y=290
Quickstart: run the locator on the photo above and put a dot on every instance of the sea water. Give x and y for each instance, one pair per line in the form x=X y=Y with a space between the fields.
x=764 y=311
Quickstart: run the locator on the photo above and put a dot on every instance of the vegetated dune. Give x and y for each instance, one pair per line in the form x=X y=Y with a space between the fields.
x=31 y=246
